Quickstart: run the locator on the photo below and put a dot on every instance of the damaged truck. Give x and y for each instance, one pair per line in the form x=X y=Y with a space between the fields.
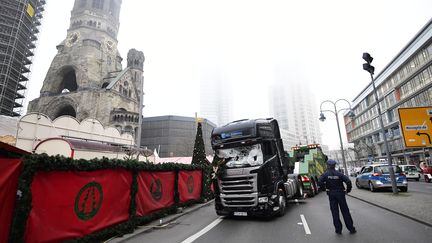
x=253 y=174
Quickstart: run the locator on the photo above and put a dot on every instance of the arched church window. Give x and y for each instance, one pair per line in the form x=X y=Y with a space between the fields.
x=129 y=93
x=121 y=89
x=128 y=129
x=68 y=81
x=98 y=4
x=67 y=110
x=126 y=88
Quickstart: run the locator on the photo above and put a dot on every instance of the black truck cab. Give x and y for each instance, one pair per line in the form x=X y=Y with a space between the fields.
x=254 y=171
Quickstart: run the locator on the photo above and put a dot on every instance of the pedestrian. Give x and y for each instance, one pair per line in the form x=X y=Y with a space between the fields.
x=332 y=181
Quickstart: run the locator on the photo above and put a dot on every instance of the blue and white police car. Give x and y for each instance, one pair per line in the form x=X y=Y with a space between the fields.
x=377 y=176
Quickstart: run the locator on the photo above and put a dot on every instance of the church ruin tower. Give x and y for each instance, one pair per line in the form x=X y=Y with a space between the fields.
x=86 y=78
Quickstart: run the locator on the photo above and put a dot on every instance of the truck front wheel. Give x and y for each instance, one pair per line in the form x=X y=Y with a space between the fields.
x=281 y=202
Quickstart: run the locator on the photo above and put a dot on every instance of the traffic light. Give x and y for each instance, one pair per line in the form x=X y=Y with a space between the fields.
x=367 y=66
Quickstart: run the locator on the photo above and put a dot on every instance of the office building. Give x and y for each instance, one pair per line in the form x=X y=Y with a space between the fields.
x=405 y=82
x=174 y=136
x=215 y=99
x=294 y=107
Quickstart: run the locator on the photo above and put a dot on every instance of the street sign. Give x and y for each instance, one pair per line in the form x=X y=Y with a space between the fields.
x=416 y=126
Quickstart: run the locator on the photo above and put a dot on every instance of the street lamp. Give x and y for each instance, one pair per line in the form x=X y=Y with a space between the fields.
x=335 y=112
x=370 y=69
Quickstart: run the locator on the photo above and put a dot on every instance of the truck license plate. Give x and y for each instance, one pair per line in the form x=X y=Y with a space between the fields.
x=240 y=213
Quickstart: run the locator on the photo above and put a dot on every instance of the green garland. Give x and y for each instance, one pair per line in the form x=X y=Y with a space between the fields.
x=42 y=162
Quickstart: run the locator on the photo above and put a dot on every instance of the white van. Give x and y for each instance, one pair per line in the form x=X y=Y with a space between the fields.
x=411 y=171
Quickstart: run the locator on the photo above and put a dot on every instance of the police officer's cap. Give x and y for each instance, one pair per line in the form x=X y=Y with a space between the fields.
x=331 y=162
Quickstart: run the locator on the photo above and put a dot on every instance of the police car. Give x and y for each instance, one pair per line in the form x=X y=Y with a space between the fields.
x=377 y=176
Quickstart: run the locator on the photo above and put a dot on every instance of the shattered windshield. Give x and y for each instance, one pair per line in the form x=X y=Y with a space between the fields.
x=242 y=156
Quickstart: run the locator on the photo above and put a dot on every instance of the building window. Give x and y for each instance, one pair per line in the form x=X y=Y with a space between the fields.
x=390 y=115
x=429 y=50
x=98 y=4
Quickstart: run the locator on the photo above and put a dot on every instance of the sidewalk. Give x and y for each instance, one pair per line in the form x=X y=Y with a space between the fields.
x=417 y=206
x=159 y=223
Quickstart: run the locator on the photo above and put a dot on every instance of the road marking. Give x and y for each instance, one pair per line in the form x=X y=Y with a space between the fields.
x=203 y=231
x=305 y=225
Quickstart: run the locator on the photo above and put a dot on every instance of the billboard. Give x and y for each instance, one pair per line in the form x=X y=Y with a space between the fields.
x=416 y=126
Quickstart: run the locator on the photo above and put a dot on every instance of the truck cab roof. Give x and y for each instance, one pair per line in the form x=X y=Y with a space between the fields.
x=245 y=129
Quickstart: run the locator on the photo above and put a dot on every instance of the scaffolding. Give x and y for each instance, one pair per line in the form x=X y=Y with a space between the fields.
x=19 y=27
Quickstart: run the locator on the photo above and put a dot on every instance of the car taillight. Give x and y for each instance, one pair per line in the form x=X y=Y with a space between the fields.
x=305 y=178
x=401 y=174
x=376 y=174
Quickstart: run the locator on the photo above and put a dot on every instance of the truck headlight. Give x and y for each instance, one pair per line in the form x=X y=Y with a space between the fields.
x=405 y=182
x=262 y=199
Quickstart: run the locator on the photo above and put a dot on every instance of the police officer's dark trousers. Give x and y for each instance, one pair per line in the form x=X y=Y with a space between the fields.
x=337 y=200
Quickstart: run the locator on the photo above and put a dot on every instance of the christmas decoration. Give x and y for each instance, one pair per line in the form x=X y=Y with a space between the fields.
x=199 y=156
x=42 y=162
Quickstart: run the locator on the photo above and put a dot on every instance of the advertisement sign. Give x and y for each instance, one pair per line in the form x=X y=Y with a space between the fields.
x=70 y=204
x=155 y=191
x=10 y=170
x=189 y=185
x=416 y=126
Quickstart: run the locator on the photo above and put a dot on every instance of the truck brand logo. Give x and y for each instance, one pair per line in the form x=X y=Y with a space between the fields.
x=88 y=201
x=156 y=189
x=190 y=184
x=231 y=134
x=234 y=172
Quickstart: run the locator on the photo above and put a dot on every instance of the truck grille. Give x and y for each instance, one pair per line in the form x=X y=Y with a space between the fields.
x=239 y=191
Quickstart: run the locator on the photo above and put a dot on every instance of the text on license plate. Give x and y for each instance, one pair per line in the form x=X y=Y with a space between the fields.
x=240 y=213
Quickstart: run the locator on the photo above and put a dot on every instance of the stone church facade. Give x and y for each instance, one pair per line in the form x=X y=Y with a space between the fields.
x=86 y=78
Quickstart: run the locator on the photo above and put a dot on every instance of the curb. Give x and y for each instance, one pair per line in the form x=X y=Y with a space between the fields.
x=393 y=211
x=158 y=223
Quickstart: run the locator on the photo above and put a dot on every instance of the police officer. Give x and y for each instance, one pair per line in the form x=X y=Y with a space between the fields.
x=333 y=180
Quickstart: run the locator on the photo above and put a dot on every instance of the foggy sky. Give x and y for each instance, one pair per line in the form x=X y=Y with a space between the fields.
x=316 y=42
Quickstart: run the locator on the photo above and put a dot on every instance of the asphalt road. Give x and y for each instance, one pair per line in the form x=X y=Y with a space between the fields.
x=420 y=186
x=373 y=225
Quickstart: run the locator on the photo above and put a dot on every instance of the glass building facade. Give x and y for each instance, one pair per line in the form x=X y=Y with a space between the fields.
x=405 y=82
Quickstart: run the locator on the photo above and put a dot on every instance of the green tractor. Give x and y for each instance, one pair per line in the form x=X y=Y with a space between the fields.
x=309 y=164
